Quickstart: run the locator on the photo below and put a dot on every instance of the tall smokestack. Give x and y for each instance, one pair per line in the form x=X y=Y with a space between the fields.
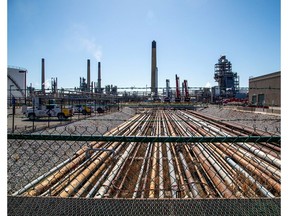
x=43 y=76
x=99 y=78
x=88 y=75
x=154 y=73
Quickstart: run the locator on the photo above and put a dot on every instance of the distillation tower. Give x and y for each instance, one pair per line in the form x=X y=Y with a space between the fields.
x=228 y=81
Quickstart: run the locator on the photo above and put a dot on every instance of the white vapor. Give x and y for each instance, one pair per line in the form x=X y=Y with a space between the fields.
x=47 y=84
x=208 y=85
x=81 y=37
x=91 y=47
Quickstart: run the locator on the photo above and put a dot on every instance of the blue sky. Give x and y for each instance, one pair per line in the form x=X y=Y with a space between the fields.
x=191 y=35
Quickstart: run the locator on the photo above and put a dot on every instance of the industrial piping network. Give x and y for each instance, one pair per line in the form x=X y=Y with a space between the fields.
x=167 y=169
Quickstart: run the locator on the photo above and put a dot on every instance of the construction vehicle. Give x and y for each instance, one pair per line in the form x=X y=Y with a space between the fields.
x=40 y=110
x=84 y=109
x=87 y=109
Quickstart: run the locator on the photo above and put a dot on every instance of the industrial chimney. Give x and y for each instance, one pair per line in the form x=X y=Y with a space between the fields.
x=88 y=75
x=99 y=78
x=43 y=76
x=154 y=72
x=178 y=95
x=167 y=88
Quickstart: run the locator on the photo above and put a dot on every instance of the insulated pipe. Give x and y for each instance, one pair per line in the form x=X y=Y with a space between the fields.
x=56 y=176
x=213 y=174
x=87 y=172
x=213 y=161
x=93 y=178
x=40 y=178
x=183 y=186
x=96 y=174
x=142 y=130
x=275 y=184
x=263 y=190
x=147 y=169
x=179 y=124
x=75 y=183
x=263 y=146
x=140 y=176
x=212 y=129
x=105 y=186
x=58 y=186
x=253 y=169
x=209 y=158
x=118 y=166
x=119 y=175
x=191 y=182
x=79 y=179
x=161 y=174
x=148 y=161
x=142 y=166
x=261 y=164
x=171 y=169
x=266 y=167
x=102 y=177
x=200 y=175
x=186 y=191
x=262 y=155
x=154 y=165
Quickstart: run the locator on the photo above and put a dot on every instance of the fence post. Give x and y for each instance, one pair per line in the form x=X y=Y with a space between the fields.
x=13 y=112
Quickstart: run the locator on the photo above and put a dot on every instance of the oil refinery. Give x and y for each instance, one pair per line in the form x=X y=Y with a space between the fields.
x=101 y=146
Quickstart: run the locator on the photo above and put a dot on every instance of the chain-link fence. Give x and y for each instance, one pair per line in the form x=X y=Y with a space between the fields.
x=154 y=154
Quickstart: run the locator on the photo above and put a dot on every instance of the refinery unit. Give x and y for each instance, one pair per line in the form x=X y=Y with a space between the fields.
x=175 y=91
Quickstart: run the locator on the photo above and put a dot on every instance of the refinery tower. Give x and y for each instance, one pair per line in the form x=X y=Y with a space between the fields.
x=228 y=81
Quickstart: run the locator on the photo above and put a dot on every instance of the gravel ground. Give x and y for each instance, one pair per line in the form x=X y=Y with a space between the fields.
x=262 y=121
x=28 y=159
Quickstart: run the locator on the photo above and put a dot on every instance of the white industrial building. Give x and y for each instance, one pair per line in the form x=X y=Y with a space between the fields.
x=16 y=84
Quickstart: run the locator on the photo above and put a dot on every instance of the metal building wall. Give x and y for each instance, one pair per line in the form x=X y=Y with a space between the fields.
x=269 y=86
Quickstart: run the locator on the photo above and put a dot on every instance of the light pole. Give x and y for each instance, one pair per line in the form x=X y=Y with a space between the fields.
x=25 y=85
x=10 y=95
